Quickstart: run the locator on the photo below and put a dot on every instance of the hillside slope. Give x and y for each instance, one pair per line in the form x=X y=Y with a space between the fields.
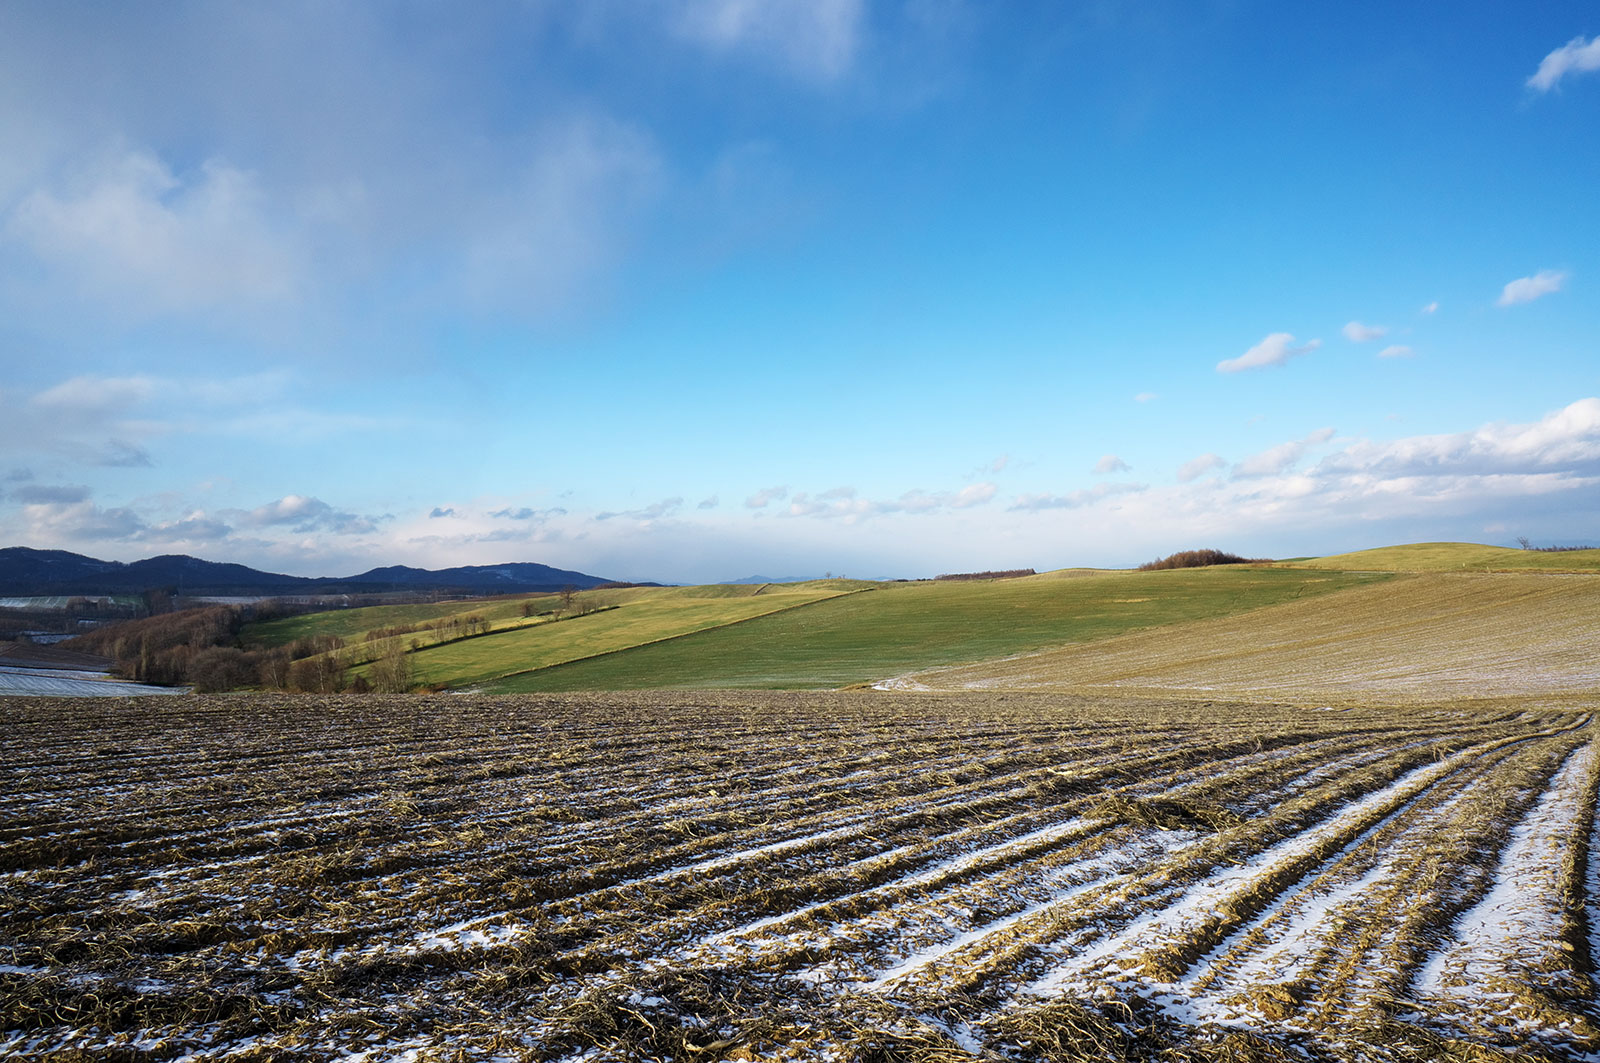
x=1455 y=557
x=1424 y=636
x=901 y=626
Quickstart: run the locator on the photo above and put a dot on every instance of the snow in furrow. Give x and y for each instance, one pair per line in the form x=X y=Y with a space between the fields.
x=1520 y=918
x=934 y=953
x=1294 y=945
x=1197 y=904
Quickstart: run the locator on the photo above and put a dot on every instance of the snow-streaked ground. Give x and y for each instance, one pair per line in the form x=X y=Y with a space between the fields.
x=53 y=682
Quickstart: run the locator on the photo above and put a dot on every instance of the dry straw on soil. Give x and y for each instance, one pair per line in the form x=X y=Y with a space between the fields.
x=834 y=876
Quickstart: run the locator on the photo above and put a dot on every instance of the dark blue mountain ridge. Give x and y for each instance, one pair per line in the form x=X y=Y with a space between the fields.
x=26 y=572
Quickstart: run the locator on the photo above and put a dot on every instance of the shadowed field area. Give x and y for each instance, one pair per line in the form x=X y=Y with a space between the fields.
x=1416 y=636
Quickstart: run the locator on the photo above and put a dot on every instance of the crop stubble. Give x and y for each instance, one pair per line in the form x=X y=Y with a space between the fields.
x=850 y=876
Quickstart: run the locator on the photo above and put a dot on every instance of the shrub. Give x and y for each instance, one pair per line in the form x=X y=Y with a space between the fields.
x=1199 y=559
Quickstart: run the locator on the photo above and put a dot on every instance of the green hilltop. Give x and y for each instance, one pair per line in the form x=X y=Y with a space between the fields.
x=1456 y=557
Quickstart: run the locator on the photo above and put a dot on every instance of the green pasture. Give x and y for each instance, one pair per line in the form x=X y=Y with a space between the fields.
x=899 y=627
x=640 y=616
x=1455 y=557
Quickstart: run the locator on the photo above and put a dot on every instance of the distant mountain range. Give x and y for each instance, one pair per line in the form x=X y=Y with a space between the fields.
x=27 y=572
x=771 y=579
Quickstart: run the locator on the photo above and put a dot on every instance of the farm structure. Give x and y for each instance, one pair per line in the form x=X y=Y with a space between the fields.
x=854 y=876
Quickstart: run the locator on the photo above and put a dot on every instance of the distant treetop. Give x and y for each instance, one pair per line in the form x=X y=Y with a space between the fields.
x=1199 y=559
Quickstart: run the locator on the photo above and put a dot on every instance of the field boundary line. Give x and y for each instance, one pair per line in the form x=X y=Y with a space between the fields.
x=680 y=635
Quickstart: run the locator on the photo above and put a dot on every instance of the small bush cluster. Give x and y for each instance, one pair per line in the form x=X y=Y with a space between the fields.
x=1199 y=559
x=1009 y=573
x=378 y=633
x=456 y=627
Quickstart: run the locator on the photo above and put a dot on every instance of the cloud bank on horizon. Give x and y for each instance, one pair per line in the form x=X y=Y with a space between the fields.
x=696 y=288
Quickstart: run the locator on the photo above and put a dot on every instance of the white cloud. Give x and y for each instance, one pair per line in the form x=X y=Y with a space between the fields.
x=1197 y=467
x=193 y=527
x=654 y=511
x=972 y=495
x=304 y=514
x=96 y=394
x=766 y=496
x=1075 y=499
x=1566 y=441
x=1275 y=349
x=79 y=521
x=1396 y=350
x=132 y=234
x=1278 y=459
x=816 y=39
x=1527 y=289
x=1431 y=308
x=844 y=503
x=1145 y=396
x=1110 y=463
x=1356 y=332
x=1574 y=57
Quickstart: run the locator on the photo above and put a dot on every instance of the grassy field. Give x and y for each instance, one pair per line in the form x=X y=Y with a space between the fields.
x=859 y=877
x=1456 y=557
x=1421 y=636
x=898 y=627
x=351 y=624
x=837 y=633
x=641 y=617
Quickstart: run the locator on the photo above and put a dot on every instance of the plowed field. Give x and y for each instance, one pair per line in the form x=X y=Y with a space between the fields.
x=863 y=876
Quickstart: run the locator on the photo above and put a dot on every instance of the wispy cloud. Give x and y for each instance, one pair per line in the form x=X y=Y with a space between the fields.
x=1356 y=332
x=129 y=231
x=815 y=39
x=1075 y=499
x=564 y=218
x=1195 y=468
x=654 y=511
x=766 y=496
x=35 y=494
x=1396 y=350
x=1431 y=308
x=708 y=503
x=1274 y=350
x=1527 y=289
x=1278 y=459
x=845 y=503
x=527 y=513
x=1145 y=396
x=1575 y=57
x=1109 y=464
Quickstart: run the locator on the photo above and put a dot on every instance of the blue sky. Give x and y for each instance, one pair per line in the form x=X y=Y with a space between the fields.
x=692 y=289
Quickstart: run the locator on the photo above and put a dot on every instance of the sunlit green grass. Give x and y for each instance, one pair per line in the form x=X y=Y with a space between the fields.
x=1457 y=557
x=350 y=624
x=899 y=627
x=640 y=617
